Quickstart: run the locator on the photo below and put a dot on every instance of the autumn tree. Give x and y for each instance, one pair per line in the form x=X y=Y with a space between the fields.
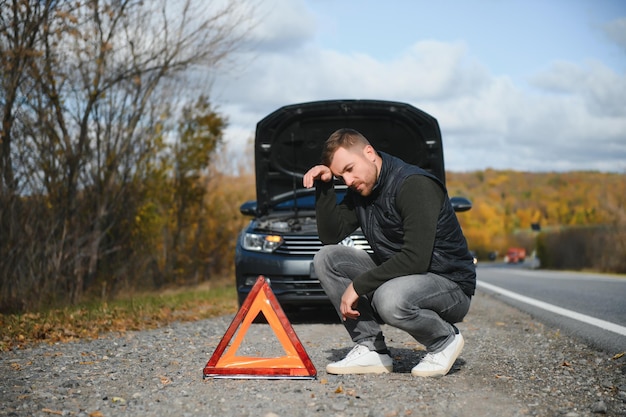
x=579 y=217
x=198 y=135
x=86 y=87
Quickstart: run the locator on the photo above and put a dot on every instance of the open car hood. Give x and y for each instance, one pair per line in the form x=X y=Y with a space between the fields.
x=289 y=141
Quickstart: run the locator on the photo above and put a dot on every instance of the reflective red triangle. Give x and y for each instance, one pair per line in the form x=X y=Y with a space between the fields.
x=295 y=364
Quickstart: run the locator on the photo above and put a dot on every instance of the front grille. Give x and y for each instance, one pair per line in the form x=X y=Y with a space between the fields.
x=299 y=245
x=297 y=286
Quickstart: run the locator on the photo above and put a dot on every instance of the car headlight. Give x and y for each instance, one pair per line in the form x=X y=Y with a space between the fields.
x=261 y=243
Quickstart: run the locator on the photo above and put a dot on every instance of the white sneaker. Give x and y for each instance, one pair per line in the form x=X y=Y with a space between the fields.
x=361 y=360
x=439 y=364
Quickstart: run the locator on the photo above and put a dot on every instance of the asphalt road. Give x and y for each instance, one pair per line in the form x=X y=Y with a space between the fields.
x=590 y=306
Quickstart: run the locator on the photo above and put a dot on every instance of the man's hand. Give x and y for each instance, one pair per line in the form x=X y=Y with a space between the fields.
x=318 y=172
x=349 y=300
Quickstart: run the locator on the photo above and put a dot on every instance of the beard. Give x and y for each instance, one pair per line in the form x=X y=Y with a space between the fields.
x=362 y=188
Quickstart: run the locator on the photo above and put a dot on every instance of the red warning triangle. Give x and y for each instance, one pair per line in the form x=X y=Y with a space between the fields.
x=295 y=364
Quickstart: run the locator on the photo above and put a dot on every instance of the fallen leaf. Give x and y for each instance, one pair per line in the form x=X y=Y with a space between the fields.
x=618 y=355
x=96 y=413
x=339 y=390
x=49 y=411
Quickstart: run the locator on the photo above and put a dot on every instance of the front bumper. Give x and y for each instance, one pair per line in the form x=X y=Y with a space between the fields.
x=292 y=279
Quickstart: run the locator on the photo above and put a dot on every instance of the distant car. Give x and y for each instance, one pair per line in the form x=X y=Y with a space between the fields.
x=473 y=253
x=515 y=255
x=281 y=238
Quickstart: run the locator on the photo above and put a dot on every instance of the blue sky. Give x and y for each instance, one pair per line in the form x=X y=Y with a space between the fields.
x=526 y=85
x=510 y=37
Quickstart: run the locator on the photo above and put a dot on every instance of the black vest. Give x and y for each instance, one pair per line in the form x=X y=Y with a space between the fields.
x=382 y=225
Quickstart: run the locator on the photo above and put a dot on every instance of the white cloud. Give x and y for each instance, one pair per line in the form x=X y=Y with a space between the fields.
x=602 y=89
x=572 y=116
x=281 y=25
x=616 y=31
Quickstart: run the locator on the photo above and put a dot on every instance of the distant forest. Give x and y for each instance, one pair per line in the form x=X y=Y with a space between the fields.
x=573 y=220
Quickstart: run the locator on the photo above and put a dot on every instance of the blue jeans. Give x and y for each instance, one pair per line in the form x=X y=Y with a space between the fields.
x=423 y=305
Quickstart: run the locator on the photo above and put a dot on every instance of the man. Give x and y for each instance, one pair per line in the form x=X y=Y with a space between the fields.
x=421 y=276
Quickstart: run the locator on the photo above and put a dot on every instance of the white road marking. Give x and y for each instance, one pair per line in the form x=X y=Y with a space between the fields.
x=581 y=276
x=603 y=324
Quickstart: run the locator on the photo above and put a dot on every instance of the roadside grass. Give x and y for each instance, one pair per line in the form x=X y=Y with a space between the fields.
x=127 y=313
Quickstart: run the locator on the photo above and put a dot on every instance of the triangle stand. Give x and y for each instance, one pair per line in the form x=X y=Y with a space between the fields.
x=224 y=363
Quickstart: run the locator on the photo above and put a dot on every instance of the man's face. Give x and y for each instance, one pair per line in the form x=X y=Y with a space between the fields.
x=357 y=168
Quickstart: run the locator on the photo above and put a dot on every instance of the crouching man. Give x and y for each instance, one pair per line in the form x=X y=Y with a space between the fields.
x=421 y=276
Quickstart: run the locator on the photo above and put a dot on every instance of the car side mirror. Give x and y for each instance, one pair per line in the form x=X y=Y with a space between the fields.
x=248 y=208
x=460 y=204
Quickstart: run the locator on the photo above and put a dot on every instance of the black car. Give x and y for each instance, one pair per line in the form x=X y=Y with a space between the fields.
x=281 y=239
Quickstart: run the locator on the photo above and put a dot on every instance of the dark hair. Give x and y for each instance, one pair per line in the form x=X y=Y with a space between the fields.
x=343 y=138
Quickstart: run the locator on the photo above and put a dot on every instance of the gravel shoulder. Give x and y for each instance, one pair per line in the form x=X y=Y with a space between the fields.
x=512 y=365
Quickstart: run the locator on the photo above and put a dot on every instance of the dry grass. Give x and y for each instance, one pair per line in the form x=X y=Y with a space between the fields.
x=136 y=312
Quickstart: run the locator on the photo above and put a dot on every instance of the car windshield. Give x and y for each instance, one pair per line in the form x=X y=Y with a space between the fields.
x=304 y=202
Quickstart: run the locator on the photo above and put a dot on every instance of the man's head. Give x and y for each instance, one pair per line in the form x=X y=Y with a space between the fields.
x=350 y=157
